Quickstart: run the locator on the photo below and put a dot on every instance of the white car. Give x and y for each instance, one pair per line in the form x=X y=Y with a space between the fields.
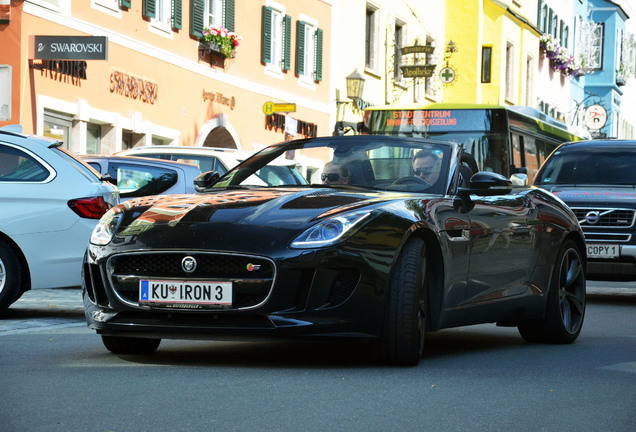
x=50 y=202
x=221 y=160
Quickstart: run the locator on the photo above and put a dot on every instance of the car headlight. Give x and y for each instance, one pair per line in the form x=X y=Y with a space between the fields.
x=330 y=231
x=106 y=227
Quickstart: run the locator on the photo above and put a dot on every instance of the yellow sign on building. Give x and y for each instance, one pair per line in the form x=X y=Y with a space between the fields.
x=270 y=108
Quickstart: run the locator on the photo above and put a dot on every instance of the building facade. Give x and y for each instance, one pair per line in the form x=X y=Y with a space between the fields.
x=106 y=75
x=396 y=47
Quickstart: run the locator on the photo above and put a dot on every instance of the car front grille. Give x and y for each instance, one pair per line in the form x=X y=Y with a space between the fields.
x=252 y=277
x=604 y=217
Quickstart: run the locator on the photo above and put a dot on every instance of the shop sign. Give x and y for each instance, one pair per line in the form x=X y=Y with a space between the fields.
x=219 y=98
x=70 y=47
x=418 y=49
x=278 y=122
x=420 y=71
x=133 y=87
x=270 y=108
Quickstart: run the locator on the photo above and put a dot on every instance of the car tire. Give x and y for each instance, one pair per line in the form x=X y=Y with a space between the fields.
x=402 y=342
x=10 y=277
x=130 y=345
x=565 y=303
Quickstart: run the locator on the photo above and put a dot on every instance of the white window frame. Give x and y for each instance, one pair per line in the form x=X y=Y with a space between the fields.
x=275 y=66
x=529 y=80
x=162 y=23
x=213 y=13
x=510 y=72
x=110 y=7
x=307 y=79
x=372 y=63
x=595 y=51
x=60 y=6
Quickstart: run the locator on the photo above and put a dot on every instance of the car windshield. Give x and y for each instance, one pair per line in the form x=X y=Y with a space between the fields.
x=369 y=162
x=601 y=165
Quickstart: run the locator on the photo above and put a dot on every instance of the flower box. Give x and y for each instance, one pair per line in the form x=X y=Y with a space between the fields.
x=214 y=48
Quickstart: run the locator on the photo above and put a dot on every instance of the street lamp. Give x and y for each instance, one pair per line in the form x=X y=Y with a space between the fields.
x=355 y=85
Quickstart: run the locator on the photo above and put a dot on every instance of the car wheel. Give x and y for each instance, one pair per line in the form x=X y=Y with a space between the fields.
x=130 y=345
x=404 y=330
x=10 y=277
x=565 y=304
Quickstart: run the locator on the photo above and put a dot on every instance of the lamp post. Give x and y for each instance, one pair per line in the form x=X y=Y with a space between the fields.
x=355 y=86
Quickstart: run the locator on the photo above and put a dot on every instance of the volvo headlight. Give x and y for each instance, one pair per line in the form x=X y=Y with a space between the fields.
x=330 y=231
x=106 y=228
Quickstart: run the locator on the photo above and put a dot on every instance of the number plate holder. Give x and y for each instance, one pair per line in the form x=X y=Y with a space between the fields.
x=186 y=294
x=603 y=250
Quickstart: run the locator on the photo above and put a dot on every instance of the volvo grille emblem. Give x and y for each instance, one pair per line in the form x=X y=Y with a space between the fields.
x=592 y=217
x=189 y=264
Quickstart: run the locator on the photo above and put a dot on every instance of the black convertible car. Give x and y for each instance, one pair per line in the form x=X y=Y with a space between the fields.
x=374 y=253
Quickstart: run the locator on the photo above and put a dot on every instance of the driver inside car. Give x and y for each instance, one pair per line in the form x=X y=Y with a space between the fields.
x=426 y=166
x=335 y=174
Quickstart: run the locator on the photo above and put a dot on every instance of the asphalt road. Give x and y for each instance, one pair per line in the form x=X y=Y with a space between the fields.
x=55 y=375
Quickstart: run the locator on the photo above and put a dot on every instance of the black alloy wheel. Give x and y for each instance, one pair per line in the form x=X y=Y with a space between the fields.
x=565 y=303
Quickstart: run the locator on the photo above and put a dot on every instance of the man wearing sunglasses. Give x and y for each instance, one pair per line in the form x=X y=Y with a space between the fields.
x=426 y=166
x=335 y=174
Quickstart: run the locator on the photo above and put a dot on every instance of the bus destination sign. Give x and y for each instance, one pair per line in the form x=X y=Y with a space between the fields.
x=422 y=118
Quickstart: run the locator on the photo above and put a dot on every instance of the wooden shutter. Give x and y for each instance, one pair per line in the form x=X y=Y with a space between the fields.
x=228 y=15
x=287 y=43
x=126 y=3
x=150 y=8
x=318 y=56
x=177 y=12
x=266 y=35
x=196 y=18
x=300 y=47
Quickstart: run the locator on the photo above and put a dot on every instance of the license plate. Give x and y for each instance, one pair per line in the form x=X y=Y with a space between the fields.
x=603 y=250
x=192 y=294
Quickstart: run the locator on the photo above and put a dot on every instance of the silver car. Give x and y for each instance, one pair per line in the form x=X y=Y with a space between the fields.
x=140 y=176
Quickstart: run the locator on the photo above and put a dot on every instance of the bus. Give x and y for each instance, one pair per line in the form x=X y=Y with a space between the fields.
x=503 y=139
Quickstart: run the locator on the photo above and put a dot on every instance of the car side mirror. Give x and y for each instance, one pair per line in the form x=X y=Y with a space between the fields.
x=519 y=180
x=486 y=183
x=205 y=180
x=108 y=178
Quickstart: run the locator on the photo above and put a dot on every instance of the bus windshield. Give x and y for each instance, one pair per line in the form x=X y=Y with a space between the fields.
x=503 y=139
x=481 y=131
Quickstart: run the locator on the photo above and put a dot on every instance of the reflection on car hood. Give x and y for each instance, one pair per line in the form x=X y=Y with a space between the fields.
x=254 y=218
x=596 y=195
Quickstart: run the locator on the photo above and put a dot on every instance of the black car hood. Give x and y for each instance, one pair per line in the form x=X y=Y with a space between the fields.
x=624 y=196
x=235 y=219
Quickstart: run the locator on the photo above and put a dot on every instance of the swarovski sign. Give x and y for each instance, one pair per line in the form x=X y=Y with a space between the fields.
x=70 y=47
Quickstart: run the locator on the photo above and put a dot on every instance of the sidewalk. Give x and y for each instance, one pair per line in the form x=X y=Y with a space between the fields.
x=44 y=309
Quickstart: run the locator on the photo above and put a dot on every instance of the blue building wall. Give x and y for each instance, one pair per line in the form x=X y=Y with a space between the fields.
x=602 y=83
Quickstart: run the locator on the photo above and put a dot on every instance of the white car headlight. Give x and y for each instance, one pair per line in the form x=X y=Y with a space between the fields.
x=329 y=231
x=106 y=227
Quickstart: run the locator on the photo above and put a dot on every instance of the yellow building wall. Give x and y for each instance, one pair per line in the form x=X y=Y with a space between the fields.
x=488 y=23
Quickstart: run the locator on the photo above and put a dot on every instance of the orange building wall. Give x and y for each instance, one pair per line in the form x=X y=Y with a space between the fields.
x=179 y=104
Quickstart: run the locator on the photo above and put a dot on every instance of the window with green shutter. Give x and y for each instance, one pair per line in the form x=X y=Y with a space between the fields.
x=266 y=35
x=150 y=8
x=318 y=56
x=287 y=23
x=196 y=18
x=126 y=3
x=228 y=15
x=300 y=48
x=177 y=12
